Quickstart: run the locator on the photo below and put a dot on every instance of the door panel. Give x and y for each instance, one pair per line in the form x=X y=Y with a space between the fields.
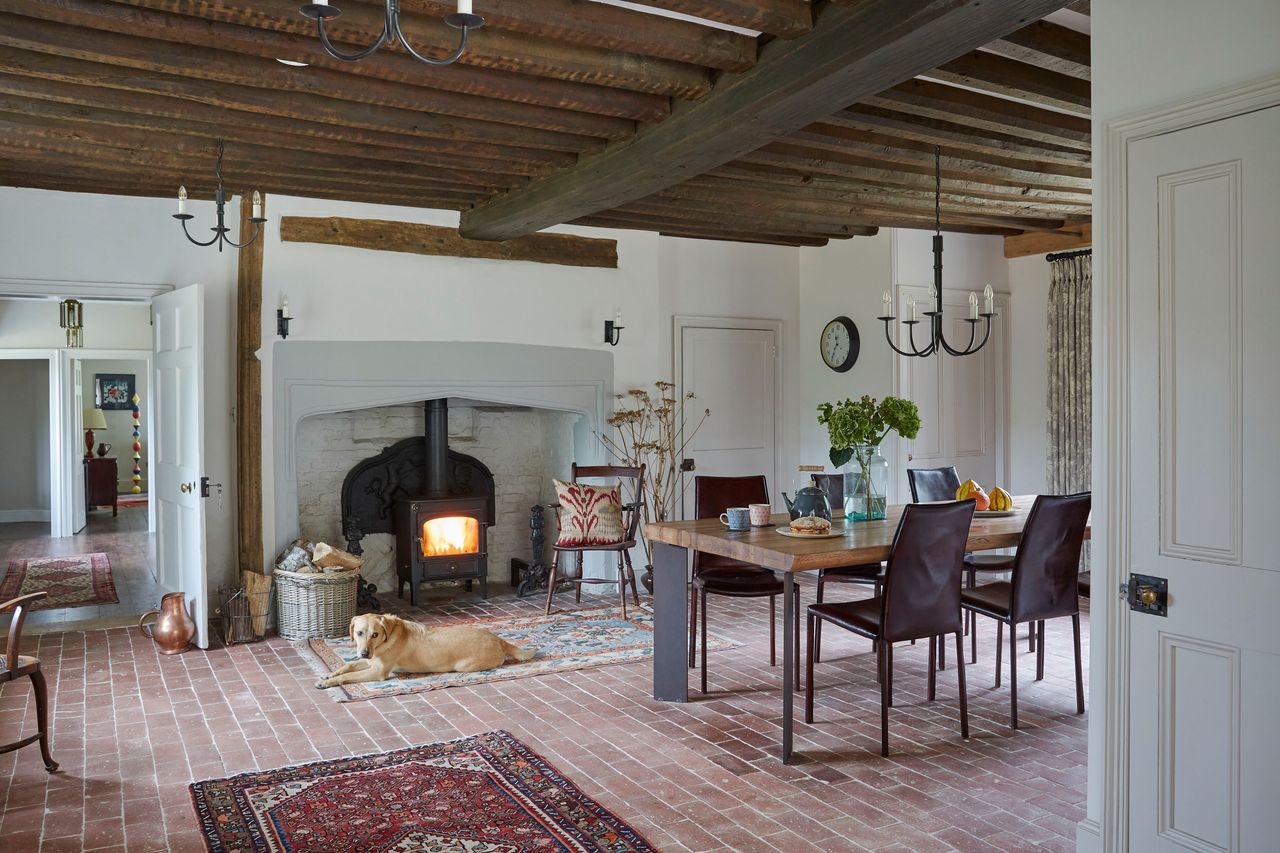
x=179 y=464
x=79 y=511
x=1204 y=206
x=731 y=372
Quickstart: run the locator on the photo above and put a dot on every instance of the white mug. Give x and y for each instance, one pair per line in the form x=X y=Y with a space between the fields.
x=760 y=514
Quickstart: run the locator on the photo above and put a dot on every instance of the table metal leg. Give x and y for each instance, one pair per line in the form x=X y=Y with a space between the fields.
x=670 y=623
x=789 y=650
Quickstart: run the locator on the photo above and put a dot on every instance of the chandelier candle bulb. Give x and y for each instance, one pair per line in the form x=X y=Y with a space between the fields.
x=990 y=299
x=915 y=311
x=933 y=299
x=464 y=7
x=182 y=200
x=284 y=308
x=973 y=305
x=887 y=299
x=257 y=205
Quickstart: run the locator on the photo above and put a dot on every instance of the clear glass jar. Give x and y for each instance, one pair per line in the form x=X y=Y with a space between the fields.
x=866 y=484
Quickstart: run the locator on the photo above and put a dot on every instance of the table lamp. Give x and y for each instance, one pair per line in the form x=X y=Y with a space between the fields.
x=93 y=419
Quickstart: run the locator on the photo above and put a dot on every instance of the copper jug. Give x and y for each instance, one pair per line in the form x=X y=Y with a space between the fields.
x=174 y=629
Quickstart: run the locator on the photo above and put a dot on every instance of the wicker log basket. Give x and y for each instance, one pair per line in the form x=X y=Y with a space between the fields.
x=315 y=604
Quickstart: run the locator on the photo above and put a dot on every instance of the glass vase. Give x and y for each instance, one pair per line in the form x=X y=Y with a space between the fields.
x=866 y=480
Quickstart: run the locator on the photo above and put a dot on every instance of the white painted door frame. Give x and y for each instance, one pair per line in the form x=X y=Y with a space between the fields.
x=57 y=477
x=958 y=302
x=680 y=322
x=1106 y=825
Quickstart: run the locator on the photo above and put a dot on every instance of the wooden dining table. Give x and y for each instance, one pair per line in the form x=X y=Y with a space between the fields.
x=862 y=542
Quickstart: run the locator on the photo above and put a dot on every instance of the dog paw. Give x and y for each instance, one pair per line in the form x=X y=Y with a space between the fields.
x=322 y=684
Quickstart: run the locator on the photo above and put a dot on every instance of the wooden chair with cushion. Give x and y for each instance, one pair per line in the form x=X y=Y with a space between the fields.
x=921 y=598
x=1046 y=585
x=15 y=666
x=631 y=513
x=869 y=573
x=716 y=575
x=940 y=484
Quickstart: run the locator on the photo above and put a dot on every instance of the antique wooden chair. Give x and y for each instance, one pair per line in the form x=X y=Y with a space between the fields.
x=15 y=666
x=631 y=514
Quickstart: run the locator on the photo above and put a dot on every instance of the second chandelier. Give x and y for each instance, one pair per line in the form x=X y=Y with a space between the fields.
x=463 y=19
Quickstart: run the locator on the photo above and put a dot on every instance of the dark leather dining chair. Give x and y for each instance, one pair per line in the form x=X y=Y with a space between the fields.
x=920 y=598
x=717 y=575
x=940 y=484
x=14 y=666
x=1046 y=585
x=832 y=486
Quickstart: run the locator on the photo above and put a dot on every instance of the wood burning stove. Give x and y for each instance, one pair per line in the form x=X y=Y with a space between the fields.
x=439 y=505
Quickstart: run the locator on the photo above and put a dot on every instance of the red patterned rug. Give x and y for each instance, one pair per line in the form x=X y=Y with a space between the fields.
x=484 y=793
x=74 y=580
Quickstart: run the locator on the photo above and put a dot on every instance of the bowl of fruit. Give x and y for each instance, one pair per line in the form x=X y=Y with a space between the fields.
x=998 y=504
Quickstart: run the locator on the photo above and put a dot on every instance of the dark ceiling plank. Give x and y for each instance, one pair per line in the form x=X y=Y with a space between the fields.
x=936 y=132
x=360 y=25
x=1012 y=79
x=131 y=109
x=1038 y=243
x=611 y=27
x=984 y=112
x=853 y=51
x=760 y=239
x=79 y=30
x=419 y=239
x=630 y=218
x=312 y=108
x=784 y=18
x=1047 y=45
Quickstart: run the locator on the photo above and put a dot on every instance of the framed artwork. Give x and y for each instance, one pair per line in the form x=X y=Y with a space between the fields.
x=113 y=391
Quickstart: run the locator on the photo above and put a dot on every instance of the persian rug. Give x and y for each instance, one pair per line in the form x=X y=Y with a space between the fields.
x=74 y=580
x=488 y=793
x=564 y=642
x=132 y=500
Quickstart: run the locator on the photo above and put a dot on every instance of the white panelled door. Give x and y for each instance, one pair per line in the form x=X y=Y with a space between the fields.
x=178 y=393
x=961 y=399
x=732 y=371
x=1204 y=377
x=79 y=511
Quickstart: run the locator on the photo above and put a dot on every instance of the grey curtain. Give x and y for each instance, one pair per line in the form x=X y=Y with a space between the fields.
x=1070 y=416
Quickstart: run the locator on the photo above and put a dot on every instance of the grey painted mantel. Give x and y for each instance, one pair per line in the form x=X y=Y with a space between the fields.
x=317 y=377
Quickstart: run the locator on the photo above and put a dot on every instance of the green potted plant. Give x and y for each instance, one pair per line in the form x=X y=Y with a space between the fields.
x=856 y=429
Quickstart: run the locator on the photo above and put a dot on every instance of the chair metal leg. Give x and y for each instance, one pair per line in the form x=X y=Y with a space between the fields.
x=888 y=669
x=1075 y=629
x=1039 y=629
x=552 y=577
x=884 y=698
x=817 y=638
x=964 y=693
x=933 y=673
x=1013 y=675
x=1031 y=637
x=973 y=637
x=808 y=672
x=42 y=718
x=773 y=630
x=942 y=655
x=704 y=640
x=693 y=626
x=999 y=648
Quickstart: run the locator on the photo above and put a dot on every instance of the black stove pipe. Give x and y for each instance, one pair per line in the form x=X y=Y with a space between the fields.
x=437 y=435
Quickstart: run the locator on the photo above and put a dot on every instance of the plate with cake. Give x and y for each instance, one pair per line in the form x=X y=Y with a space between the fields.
x=810 y=527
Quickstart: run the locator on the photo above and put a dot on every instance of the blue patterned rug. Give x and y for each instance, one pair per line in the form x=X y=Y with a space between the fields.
x=565 y=641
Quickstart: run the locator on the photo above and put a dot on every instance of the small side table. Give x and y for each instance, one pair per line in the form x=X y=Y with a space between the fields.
x=100 y=483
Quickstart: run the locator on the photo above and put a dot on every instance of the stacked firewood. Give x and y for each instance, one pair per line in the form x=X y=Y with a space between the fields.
x=305 y=557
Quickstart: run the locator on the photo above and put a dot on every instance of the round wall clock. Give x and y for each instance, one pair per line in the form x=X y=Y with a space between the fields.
x=840 y=344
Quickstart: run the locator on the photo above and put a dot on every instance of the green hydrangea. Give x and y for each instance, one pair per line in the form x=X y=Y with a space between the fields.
x=865 y=421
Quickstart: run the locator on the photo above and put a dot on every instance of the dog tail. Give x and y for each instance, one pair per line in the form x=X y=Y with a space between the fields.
x=514 y=651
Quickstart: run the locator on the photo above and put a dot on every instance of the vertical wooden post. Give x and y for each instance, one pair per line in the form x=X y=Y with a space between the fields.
x=249 y=392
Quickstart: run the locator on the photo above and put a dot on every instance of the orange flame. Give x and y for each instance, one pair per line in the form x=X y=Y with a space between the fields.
x=455 y=534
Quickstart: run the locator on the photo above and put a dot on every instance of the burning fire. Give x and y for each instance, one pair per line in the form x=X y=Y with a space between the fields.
x=455 y=534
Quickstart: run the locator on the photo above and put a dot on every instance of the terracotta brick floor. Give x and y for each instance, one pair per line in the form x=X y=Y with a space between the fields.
x=132 y=728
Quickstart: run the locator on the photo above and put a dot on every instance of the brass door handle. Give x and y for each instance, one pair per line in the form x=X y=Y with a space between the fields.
x=185 y=488
x=1148 y=596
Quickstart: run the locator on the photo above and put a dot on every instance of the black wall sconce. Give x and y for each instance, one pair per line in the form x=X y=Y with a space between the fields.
x=283 y=317
x=613 y=329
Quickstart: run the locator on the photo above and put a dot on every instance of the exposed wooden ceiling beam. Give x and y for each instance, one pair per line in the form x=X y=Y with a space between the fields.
x=486 y=48
x=1013 y=79
x=209 y=64
x=853 y=51
x=1037 y=243
x=783 y=18
x=661 y=221
x=1048 y=45
x=729 y=237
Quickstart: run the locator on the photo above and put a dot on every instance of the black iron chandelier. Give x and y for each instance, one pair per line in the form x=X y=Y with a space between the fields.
x=220 y=230
x=463 y=19
x=937 y=340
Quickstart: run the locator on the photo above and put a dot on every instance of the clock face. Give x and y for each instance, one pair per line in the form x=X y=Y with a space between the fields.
x=840 y=344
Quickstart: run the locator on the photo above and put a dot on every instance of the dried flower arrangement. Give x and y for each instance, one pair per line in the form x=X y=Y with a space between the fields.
x=653 y=428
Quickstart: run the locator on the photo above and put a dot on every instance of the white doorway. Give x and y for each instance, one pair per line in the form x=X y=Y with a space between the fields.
x=963 y=400
x=733 y=368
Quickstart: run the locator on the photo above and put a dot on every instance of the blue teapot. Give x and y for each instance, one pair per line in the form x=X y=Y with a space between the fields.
x=810 y=500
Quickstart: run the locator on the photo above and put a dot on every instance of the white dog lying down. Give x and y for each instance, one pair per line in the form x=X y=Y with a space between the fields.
x=389 y=643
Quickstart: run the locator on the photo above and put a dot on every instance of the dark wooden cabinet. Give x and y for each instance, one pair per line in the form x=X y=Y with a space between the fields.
x=100 y=483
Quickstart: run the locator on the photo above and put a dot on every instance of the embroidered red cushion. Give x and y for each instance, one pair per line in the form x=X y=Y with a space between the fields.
x=589 y=515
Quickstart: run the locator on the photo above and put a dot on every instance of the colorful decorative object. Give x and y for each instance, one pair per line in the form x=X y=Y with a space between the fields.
x=113 y=391
x=485 y=792
x=75 y=580
x=137 y=446
x=564 y=642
